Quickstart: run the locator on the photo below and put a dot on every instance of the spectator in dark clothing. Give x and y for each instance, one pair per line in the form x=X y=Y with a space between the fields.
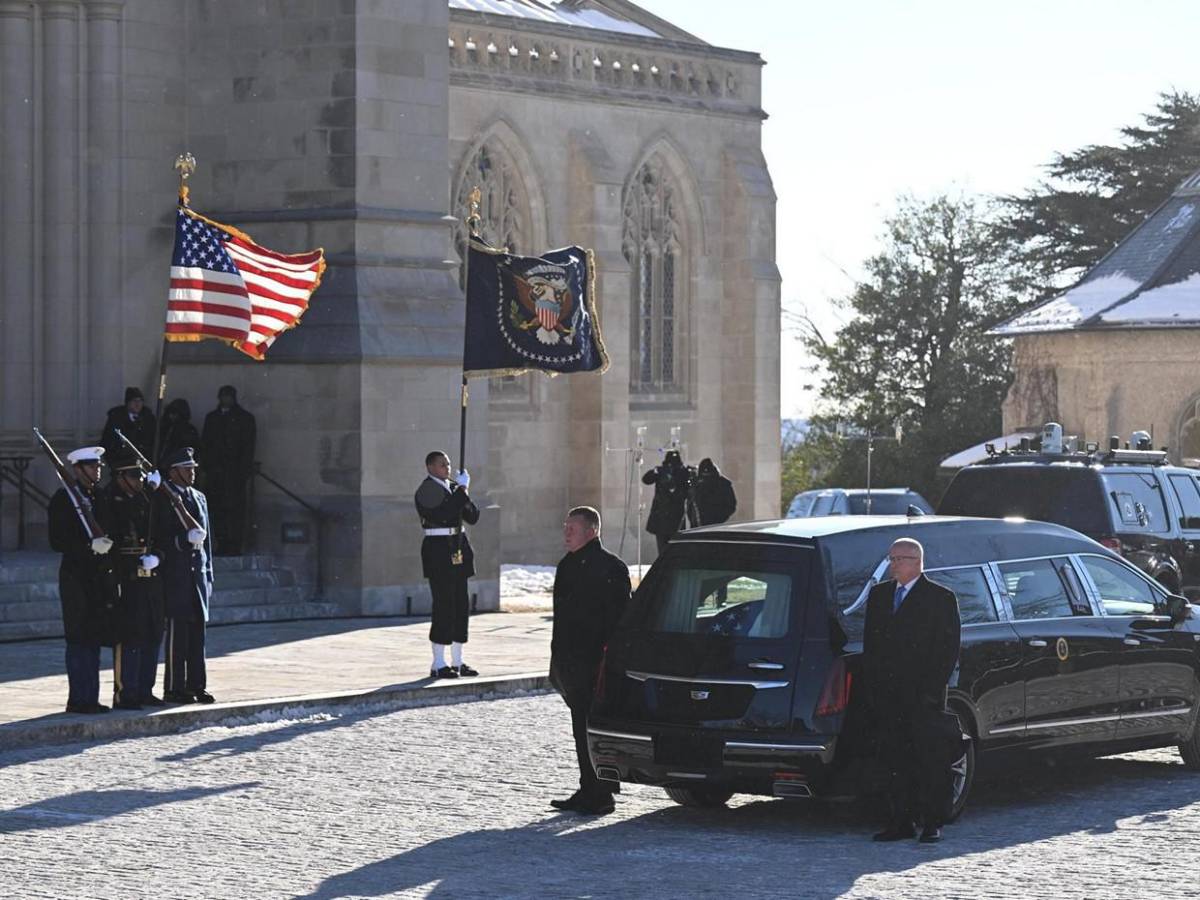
x=135 y=421
x=712 y=499
x=227 y=460
x=671 y=481
x=591 y=590
x=177 y=429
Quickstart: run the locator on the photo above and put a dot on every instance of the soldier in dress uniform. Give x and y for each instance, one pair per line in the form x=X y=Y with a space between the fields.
x=138 y=605
x=82 y=582
x=447 y=560
x=187 y=582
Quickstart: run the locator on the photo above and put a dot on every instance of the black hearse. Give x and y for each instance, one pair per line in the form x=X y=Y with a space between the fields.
x=734 y=669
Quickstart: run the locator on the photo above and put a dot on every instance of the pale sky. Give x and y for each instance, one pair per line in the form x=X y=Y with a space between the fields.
x=869 y=99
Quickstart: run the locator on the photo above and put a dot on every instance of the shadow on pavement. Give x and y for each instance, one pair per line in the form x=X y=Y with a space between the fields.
x=812 y=852
x=90 y=806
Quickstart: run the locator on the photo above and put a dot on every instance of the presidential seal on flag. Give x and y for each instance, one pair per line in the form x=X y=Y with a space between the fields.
x=532 y=312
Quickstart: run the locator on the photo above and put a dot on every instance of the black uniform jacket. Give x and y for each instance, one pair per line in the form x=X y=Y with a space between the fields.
x=187 y=573
x=227 y=444
x=441 y=508
x=909 y=656
x=591 y=590
x=138 y=603
x=84 y=579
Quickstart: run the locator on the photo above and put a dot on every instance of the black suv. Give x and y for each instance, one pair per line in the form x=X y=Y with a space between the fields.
x=1132 y=501
x=735 y=668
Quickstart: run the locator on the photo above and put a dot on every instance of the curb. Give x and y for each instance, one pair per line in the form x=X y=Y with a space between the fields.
x=118 y=724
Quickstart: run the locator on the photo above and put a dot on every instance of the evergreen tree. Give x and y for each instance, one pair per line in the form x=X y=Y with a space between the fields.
x=1095 y=196
x=915 y=353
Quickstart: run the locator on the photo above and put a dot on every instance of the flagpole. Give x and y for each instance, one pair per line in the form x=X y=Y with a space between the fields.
x=185 y=165
x=472 y=232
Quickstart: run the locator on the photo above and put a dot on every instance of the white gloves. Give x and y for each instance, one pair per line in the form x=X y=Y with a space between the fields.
x=149 y=561
x=463 y=478
x=196 y=537
x=101 y=545
x=154 y=480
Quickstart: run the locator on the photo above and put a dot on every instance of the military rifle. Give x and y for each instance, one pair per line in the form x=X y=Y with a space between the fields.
x=186 y=519
x=77 y=496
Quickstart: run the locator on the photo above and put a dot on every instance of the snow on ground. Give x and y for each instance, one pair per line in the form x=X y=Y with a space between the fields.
x=529 y=588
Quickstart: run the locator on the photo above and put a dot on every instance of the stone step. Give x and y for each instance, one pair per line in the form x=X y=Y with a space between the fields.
x=26 y=592
x=23 y=568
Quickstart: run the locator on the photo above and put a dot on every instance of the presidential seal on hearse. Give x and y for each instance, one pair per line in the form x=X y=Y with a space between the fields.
x=734 y=669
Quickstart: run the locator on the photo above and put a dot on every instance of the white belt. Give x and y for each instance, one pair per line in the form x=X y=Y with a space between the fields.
x=441 y=532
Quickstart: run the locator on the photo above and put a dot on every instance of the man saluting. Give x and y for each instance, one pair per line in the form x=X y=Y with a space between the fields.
x=447 y=560
x=910 y=649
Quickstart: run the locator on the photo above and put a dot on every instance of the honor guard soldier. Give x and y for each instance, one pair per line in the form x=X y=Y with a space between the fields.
x=138 y=606
x=187 y=581
x=447 y=560
x=82 y=581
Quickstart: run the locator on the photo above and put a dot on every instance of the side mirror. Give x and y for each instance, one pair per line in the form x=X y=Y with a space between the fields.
x=1178 y=608
x=1189 y=523
x=914 y=510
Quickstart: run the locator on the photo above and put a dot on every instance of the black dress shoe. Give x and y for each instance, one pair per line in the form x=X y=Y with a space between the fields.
x=466 y=671
x=571 y=802
x=151 y=700
x=178 y=697
x=126 y=704
x=896 y=832
x=87 y=709
x=205 y=697
x=931 y=834
x=444 y=672
x=600 y=806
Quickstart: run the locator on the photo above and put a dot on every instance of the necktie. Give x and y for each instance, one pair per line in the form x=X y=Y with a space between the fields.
x=900 y=591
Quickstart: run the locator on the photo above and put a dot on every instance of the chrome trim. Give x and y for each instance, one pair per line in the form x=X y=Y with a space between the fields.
x=1006 y=729
x=1131 y=642
x=1151 y=713
x=800 y=542
x=1036 y=642
x=772 y=666
x=750 y=745
x=1061 y=722
x=620 y=735
x=760 y=685
x=686 y=775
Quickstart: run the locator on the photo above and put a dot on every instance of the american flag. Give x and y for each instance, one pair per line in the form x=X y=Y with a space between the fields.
x=225 y=286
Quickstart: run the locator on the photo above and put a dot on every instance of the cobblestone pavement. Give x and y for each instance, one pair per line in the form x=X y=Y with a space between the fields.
x=450 y=802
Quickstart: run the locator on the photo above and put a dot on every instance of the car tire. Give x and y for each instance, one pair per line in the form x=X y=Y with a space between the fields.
x=701 y=796
x=1190 y=749
x=963 y=773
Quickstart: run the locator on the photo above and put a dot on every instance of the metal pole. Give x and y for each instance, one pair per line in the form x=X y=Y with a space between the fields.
x=472 y=233
x=870 y=450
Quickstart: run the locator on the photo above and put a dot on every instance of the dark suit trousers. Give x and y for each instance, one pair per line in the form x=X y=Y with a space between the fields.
x=451 y=608
x=589 y=785
x=185 y=669
x=83 y=674
x=919 y=788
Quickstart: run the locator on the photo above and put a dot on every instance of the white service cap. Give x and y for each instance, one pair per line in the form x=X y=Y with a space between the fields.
x=85 y=454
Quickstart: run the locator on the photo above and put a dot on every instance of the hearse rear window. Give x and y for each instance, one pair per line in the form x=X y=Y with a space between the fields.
x=971 y=588
x=745 y=601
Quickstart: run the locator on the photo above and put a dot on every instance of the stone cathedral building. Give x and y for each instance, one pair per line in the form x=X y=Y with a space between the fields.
x=361 y=126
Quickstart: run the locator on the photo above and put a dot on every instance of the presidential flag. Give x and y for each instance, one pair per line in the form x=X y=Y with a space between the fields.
x=225 y=286
x=531 y=312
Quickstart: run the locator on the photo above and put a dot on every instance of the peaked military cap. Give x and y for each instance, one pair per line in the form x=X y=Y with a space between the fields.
x=184 y=458
x=124 y=459
x=85 y=455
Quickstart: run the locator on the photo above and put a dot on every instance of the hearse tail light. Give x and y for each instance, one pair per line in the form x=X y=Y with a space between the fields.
x=835 y=695
x=1113 y=544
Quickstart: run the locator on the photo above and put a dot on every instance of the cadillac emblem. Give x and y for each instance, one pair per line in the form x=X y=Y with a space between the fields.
x=699 y=695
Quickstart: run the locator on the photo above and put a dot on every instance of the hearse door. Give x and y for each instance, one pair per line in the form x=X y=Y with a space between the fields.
x=1070 y=658
x=719 y=639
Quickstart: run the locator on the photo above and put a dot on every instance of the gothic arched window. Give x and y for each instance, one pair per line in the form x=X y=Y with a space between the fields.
x=504 y=213
x=653 y=244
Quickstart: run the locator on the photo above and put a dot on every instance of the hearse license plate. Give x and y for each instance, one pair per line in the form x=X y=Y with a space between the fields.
x=685 y=750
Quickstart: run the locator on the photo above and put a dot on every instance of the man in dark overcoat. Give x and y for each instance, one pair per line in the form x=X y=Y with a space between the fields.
x=84 y=582
x=672 y=481
x=187 y=583
x=712 y=499
x=138 y=605
x=591 y=590
x=227 y=458
x=135 y=422
x=910 y=650
x=447 y=560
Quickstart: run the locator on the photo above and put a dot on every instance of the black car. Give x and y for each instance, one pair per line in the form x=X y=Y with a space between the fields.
x=1132 y=501
x=733 y=670
x=857 y=502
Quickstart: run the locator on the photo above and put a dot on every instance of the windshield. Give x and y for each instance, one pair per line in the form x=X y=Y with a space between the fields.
x=1071 y=496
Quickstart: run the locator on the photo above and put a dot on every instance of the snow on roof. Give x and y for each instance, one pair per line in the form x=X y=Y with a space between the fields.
x=555 y=12
x=1149 y=280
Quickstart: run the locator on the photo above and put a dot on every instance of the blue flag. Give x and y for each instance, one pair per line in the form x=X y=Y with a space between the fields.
x=532 y=312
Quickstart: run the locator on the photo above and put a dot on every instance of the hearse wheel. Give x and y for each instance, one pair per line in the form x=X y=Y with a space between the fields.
x=1190 y=749
x=963 y=772
x=706 y=796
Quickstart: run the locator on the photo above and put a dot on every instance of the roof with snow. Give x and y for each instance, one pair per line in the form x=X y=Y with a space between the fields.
x=618 y=16
x=1149 y=280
